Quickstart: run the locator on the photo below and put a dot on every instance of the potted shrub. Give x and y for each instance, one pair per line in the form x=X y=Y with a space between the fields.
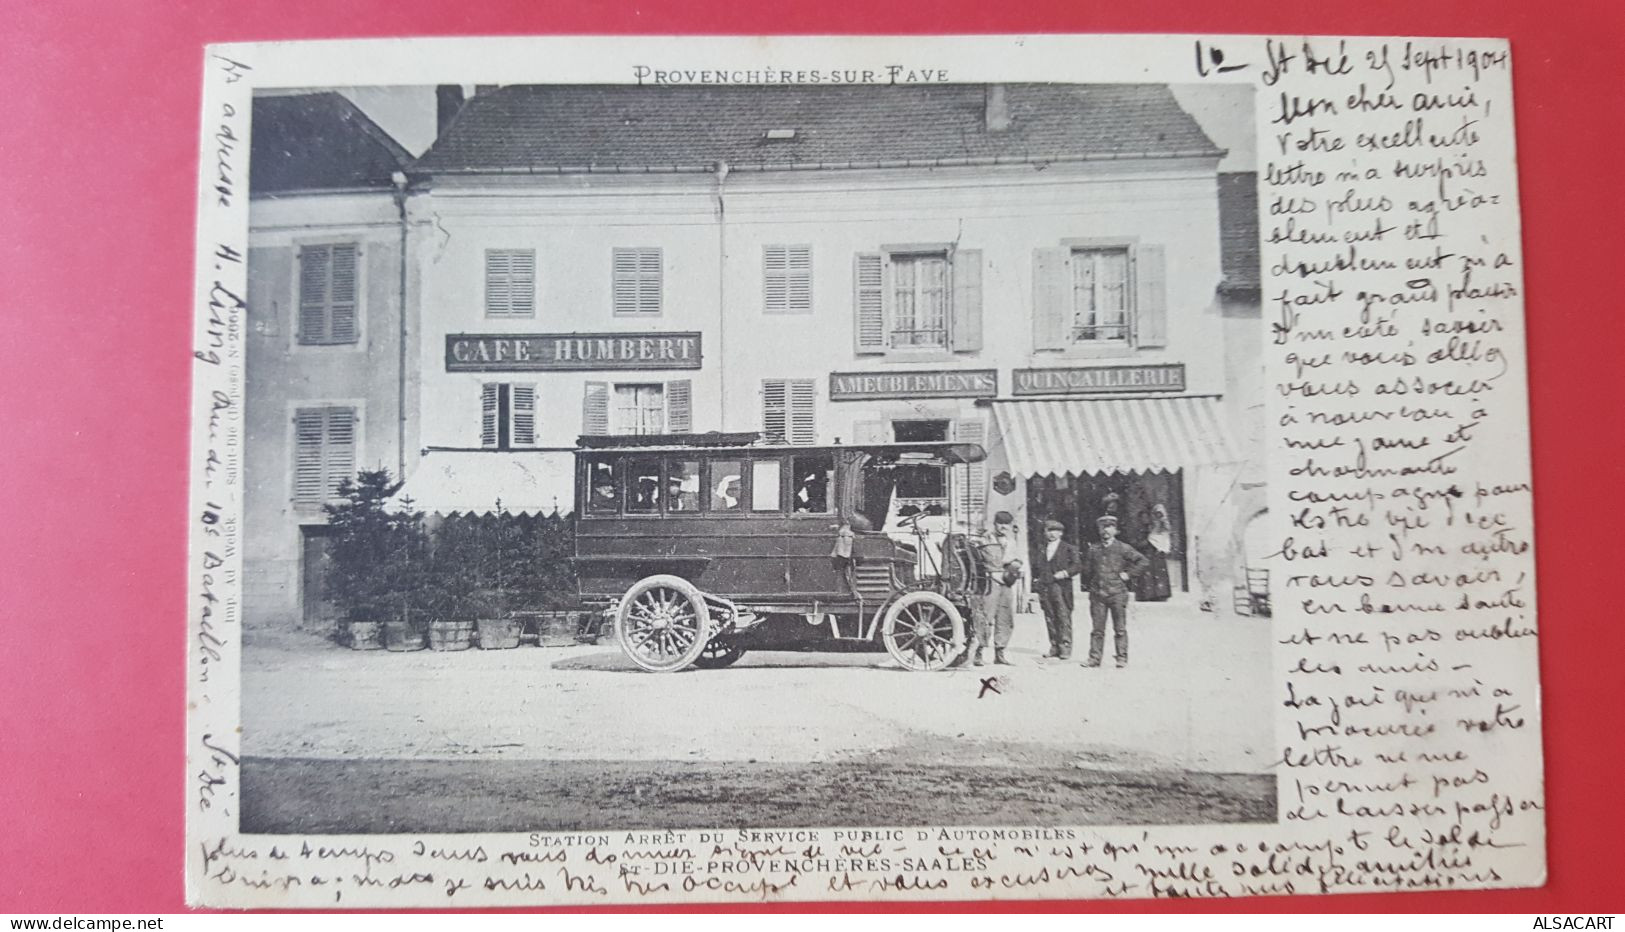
x=455 y=583
x=502 y=551
x=378 y=560
x=550 y=584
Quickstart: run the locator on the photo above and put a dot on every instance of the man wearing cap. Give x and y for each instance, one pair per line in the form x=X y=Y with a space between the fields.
x=1110 y=567
x=993 y=615
x=1058 y=562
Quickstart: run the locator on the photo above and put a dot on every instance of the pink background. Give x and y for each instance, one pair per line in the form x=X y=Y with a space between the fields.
x=98 y=152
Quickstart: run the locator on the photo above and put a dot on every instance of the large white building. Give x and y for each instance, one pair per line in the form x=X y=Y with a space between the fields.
x=1034 y=267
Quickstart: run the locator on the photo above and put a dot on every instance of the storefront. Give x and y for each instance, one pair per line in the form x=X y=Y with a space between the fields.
x=1163 y=466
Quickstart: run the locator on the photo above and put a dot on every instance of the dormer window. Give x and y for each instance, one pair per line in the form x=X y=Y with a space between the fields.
x=780 y=135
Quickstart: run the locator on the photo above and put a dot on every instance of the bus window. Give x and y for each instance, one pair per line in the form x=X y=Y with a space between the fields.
x=682 y=486
x=764 y=485
x=643 y=487
x=814 y=477
x=603 y=491
x=726 y=486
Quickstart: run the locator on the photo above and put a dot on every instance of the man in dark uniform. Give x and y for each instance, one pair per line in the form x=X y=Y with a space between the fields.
x=1057 y=563
x=1110 y=567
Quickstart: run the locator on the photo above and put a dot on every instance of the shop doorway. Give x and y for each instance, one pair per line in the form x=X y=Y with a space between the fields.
x=1138 y=500
x=315 y=567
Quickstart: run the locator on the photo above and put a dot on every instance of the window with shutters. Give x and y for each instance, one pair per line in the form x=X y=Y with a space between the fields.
x=324 y=452
x=637 y=281
x=638 y=408
x=507 y=415
x=918 y=299
x=787 y=279
x=788 y=411
x=328 y=288
x=1100 y=295
x=510 y=283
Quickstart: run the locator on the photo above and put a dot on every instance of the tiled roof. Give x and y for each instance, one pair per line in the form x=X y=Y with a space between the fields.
x=552 y=127
x=1238 y=230
x=322 y=141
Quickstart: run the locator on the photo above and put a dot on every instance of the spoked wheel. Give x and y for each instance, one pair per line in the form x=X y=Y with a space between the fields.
x=663 y=623
x=718 y=653
x=923 y=631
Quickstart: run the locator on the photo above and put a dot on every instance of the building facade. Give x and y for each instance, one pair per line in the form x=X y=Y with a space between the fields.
x=324 y=339
x=1037 y=268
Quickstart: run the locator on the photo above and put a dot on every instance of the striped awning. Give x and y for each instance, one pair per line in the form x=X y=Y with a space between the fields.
x=449 y=482
x=1043 y=438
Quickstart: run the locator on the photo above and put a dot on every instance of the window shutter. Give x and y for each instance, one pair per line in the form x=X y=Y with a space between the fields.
x=1052 y=297
x=799 y=293
x=314 y=273
x=775 y=279
x=625 y=270
x=775 y=411
x=488 y=413
x=595 y=409
x=787 y=279
x=498 y=290
x=524 y=415
x=510 y=283
x=1150 y=295
x=649 y=281
x=340 y=451
x=869 y=303
x=309 y=433
x=871 y=432
x=967 y=321
x=680 y=406
x=342 y=300
x=803 y=427
x=637 y=280
x=972 y=497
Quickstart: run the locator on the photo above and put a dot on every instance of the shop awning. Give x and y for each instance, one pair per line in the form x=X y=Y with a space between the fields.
x=448 y=482
x=1043 y=438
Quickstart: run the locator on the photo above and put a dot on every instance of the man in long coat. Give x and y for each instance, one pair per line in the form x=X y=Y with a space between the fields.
x=1058 y=562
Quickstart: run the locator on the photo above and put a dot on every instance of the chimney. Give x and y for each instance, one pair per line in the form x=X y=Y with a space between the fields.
x=997 y=109
x=448 y=99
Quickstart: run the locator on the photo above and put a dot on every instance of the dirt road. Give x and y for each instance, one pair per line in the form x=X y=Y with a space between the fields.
x=547 y=734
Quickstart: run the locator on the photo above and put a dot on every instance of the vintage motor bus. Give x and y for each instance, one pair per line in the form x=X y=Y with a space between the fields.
x=703 y=546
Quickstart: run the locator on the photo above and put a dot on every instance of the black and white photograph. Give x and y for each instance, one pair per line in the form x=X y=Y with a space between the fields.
x=656 y=457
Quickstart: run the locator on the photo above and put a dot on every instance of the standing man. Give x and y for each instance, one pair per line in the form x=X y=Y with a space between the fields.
x=993 y=614
x=1058 y=563
x=1112 y=565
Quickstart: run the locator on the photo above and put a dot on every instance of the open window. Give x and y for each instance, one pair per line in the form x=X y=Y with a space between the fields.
x=812 y=487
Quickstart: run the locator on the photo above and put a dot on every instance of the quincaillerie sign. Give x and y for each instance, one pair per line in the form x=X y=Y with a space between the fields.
x=532 y=352
x=1098 y=379
x=955 y=383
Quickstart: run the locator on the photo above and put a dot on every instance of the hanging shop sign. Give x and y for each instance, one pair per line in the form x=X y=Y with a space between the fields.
x=953 y=383
x=1094 y=380
x=534 y=352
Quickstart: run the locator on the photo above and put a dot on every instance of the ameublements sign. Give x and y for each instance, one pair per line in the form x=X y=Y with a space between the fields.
x=965 y=383
x=1096 y=379
x=529 y=352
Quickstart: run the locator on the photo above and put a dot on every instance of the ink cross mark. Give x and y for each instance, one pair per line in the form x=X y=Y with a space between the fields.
x=990 y=684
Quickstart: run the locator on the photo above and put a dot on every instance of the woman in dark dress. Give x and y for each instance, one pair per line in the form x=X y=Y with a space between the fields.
x=1153 y=584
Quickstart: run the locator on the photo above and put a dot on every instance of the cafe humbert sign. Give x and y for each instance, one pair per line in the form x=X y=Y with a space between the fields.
x=535 y=352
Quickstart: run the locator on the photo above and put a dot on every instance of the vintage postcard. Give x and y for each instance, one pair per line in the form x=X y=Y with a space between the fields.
x=768 y=469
